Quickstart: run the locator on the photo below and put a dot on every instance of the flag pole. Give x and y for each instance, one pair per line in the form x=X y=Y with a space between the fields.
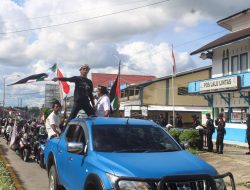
x=173 y=73
x=173 y=99
x=119 y=78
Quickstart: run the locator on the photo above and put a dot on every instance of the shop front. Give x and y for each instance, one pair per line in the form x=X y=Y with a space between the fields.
x=231 y=95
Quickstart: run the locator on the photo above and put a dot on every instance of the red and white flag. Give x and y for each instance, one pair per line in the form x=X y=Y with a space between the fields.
x=65 y=86
x=173 y=62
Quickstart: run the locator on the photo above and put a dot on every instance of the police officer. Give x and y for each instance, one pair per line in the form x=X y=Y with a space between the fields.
x=248 y=132
x=220 y=133
x=210 y=131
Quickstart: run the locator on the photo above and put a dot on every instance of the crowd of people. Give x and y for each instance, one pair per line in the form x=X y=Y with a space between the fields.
x=208 y=129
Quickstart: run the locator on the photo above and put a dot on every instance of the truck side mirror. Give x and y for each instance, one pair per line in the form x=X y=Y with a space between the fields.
x=75 y=147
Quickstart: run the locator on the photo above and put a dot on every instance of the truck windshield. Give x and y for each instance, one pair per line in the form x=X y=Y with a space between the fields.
x=132 y=139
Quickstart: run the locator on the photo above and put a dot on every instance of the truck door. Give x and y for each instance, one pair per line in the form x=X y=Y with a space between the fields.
x=74 y=163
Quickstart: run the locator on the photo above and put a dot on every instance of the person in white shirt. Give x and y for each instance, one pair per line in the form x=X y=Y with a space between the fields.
x=103 y=103
x=53 y=121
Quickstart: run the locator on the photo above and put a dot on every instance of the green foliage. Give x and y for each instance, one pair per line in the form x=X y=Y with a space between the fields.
x=6 y=182
x=192 y=150
x=46 y=112
x=34 y=111
x=175 y=133
x=191 y=136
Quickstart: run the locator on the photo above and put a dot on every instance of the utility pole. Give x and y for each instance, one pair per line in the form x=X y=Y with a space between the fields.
x=4 y=92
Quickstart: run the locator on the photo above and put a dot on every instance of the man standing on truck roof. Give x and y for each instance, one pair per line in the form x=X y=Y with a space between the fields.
x=103 y=104
x=83 y=93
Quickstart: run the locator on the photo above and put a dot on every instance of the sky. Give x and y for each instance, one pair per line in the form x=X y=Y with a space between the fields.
x=93 y=31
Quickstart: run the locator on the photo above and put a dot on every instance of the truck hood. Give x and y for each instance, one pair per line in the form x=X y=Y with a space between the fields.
x=154 y=165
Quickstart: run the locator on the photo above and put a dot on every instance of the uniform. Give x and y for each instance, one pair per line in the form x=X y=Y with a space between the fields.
x=210 y=131
x=220 y=135
x=248 y=133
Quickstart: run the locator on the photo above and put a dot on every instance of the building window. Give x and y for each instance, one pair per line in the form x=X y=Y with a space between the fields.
x=244 y=62
x=131 y=92
x=136 y=92
x=235 y=64
x=225 y=66
x=183 y=91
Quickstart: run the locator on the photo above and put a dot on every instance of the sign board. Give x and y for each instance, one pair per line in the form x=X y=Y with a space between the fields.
x=127 y=111
x=144 y=111
x=238 y=117
x=220 y=84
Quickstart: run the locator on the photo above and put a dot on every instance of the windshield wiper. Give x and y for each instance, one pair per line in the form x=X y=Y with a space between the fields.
x=130 y=150
x=162 y=150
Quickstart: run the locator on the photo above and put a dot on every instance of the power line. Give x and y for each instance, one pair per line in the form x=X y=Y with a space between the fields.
x=82 y=20
x=73 y=12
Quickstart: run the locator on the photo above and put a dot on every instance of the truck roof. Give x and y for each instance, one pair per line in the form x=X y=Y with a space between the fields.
x=114 y=121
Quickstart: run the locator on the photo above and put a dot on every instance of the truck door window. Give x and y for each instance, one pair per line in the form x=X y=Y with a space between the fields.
x=75 y=133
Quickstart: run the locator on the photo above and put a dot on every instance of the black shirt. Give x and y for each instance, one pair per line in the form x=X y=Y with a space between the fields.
x=83 y=87
x=210 y=125
x=248 y=126
x=221 y=126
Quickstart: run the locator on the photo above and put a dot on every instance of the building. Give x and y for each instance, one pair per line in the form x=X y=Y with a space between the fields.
x=154 y=97
x=108 y=79
x=229 y=86
x=52 y=92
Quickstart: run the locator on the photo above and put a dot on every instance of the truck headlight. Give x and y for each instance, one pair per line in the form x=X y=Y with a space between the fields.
x=133 y=185
x=220 y=184
x=127 y=185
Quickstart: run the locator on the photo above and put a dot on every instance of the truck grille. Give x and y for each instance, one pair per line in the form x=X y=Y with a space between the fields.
x=180 y=182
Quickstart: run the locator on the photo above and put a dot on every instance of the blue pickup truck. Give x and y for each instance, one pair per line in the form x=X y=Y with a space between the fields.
x=124 y=154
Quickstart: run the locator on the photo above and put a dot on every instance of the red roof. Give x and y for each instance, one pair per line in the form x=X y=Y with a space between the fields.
x=105 y=79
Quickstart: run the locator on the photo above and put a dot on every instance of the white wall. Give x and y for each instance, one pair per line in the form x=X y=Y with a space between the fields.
x=235 y=48
x=240 y=22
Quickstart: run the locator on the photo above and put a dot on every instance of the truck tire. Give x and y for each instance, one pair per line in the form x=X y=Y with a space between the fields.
x=25 y=155
x=53 y=181
x=41 y=162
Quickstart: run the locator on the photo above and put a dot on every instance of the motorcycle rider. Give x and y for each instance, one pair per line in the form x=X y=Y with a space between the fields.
x=53 y=121
x=9 y=131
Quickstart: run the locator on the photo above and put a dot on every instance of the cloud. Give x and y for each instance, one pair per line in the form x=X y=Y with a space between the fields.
x=96 y=41
x=150 y=59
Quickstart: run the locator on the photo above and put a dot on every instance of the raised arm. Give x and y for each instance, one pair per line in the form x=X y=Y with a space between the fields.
x=70 y=79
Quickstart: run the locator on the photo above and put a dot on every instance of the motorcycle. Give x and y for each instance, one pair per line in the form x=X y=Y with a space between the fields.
x=41 y=153
x=42 y=143
x=25 y=147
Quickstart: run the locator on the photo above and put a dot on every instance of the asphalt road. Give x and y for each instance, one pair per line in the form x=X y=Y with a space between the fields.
x=32 y=177
x=233 y=160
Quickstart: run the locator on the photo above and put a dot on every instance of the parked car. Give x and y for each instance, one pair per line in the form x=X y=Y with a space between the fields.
x=124 y=154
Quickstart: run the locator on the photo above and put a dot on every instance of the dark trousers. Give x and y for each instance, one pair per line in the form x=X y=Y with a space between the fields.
x=219 y=143
x=85 y=105
x=209 y=141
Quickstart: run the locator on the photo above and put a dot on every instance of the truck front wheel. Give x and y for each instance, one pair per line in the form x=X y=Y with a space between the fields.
x=53 y=181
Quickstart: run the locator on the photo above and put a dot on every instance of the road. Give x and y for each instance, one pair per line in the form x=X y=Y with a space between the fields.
x=233 y=160
x=32 y=177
